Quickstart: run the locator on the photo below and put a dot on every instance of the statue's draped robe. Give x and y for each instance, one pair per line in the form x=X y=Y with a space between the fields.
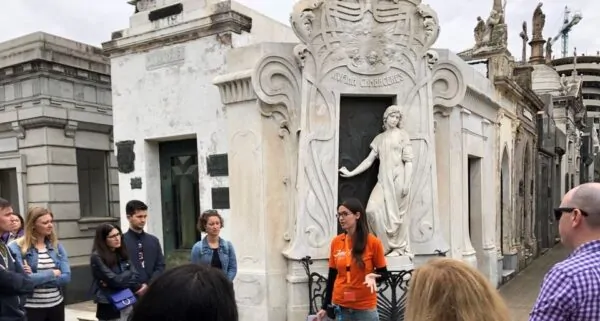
x=387 y=208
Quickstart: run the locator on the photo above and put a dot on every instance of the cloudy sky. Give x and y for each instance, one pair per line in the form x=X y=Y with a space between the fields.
x=93 y=21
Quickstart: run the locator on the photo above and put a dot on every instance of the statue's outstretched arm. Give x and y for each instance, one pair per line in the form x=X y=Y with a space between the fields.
x=366 y=164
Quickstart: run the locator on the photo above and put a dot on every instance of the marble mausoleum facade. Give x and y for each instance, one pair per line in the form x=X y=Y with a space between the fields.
x=170 y=126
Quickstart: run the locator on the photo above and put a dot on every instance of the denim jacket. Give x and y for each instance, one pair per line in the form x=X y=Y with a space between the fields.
x=46 y=278
x=202 y=253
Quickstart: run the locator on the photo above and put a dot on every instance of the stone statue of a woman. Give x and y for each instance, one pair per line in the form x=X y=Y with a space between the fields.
x=387 y=208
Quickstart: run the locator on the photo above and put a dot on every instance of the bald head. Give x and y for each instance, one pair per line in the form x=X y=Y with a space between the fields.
x=586 y=197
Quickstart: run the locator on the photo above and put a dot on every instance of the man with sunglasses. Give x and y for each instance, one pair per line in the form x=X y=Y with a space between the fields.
x=570 y=289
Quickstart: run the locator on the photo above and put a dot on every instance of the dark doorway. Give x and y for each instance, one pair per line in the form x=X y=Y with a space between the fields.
x=361 y=119
x=180 y=194
x=9 y=188
x=475 y=205
x=543 y=224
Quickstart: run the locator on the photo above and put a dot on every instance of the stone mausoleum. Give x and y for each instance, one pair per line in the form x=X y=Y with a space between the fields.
x=169 y=124
x=296 y=113
x=56 y=140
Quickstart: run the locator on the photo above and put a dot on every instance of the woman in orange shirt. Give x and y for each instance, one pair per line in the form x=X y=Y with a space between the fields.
x=356 y=264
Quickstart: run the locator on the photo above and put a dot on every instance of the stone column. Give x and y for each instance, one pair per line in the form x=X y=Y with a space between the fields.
x=448 y=157
x=259 y=180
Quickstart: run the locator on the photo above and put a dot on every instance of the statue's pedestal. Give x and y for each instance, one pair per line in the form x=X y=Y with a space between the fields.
x=399 y=263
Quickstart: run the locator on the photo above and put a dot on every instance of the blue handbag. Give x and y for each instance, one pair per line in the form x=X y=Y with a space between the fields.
x=122 y=299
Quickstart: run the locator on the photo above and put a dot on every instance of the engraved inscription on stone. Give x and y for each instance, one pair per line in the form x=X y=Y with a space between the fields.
x=367 y=82
x=165 y=57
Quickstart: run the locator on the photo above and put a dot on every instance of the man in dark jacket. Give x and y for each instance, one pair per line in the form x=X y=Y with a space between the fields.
x=14 y=284
x=143 y=248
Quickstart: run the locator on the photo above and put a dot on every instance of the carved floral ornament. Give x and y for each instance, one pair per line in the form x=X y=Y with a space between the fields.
x=366 y=36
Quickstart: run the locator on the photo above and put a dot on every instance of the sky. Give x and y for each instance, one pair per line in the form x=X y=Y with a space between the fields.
x=93 y=21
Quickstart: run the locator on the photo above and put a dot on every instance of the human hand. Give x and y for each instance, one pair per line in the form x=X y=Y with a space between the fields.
x=103 y=284
x=371 y=281
x=142 y=290
x=321 y=314
x=57 y=273
x=26 y=268
x=344 y=172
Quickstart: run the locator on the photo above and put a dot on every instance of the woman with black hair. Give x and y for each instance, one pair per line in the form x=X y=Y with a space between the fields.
x=115 y=278
x=188 y=292
x=356 y=264
x=17 y=230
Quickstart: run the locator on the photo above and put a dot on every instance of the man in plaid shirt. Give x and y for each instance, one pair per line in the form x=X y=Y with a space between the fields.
x=571 y=289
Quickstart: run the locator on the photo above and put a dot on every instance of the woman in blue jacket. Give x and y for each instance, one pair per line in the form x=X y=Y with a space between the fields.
x=213 y=250
x=46 y=262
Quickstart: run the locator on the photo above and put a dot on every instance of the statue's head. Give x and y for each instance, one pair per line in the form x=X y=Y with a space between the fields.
x=393 y=117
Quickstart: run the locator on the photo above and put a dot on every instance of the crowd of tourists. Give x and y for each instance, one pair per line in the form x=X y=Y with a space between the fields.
x=130 y=281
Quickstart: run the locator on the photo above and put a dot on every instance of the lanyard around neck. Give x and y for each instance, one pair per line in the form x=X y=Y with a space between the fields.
x=348 y=257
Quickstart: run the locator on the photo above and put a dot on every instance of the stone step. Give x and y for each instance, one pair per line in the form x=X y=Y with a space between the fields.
x=84 y=311
x=507 y=275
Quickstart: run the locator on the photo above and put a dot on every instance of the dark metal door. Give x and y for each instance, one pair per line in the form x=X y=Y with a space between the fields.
x=544 y=221
x=361 y=119
x=180 y=194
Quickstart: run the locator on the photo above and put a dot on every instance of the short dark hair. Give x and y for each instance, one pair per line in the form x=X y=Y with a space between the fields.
x=135 y=206
x=195 y=289
x=203 y=219
x=4 y=203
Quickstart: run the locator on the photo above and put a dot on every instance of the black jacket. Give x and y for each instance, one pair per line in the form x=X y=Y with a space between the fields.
x=117 y=278
x=14 y=287
x=154 y=260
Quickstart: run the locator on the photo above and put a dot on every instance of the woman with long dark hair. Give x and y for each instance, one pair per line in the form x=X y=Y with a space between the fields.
x=356 y=264
x=115 y=278
x=17 y=230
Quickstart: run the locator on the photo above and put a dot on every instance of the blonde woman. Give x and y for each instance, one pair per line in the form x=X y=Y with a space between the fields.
x=45 y=260
x=451 y=290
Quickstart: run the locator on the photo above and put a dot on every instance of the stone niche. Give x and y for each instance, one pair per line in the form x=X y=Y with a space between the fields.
x=284 y=129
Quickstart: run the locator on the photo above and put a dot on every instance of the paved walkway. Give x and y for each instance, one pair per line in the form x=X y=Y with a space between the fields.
x=521 y=292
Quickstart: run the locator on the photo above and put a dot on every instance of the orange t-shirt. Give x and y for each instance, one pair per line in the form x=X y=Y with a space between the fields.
x=355 y=294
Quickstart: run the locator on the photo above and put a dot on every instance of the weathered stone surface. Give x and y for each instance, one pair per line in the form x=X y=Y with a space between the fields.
x=55 y=97
x=163 y=72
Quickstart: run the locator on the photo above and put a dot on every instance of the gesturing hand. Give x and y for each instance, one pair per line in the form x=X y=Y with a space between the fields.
x=371 y=281
x=321 y=315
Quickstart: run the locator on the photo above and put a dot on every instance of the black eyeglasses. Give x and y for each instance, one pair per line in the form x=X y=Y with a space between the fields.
x=558 y=212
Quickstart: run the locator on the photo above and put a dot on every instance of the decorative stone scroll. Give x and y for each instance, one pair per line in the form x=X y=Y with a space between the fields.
x=365 y=48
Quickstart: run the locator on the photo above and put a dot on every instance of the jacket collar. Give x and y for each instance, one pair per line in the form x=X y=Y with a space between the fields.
x=205 y=242
x=49 y=246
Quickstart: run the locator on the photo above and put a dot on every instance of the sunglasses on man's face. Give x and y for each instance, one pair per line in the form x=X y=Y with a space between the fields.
x=558 y=212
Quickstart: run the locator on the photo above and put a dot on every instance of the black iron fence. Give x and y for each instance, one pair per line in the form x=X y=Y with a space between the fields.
x=391 y=294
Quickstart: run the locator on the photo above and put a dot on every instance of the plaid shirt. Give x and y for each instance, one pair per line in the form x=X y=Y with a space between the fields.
x=571 y=289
